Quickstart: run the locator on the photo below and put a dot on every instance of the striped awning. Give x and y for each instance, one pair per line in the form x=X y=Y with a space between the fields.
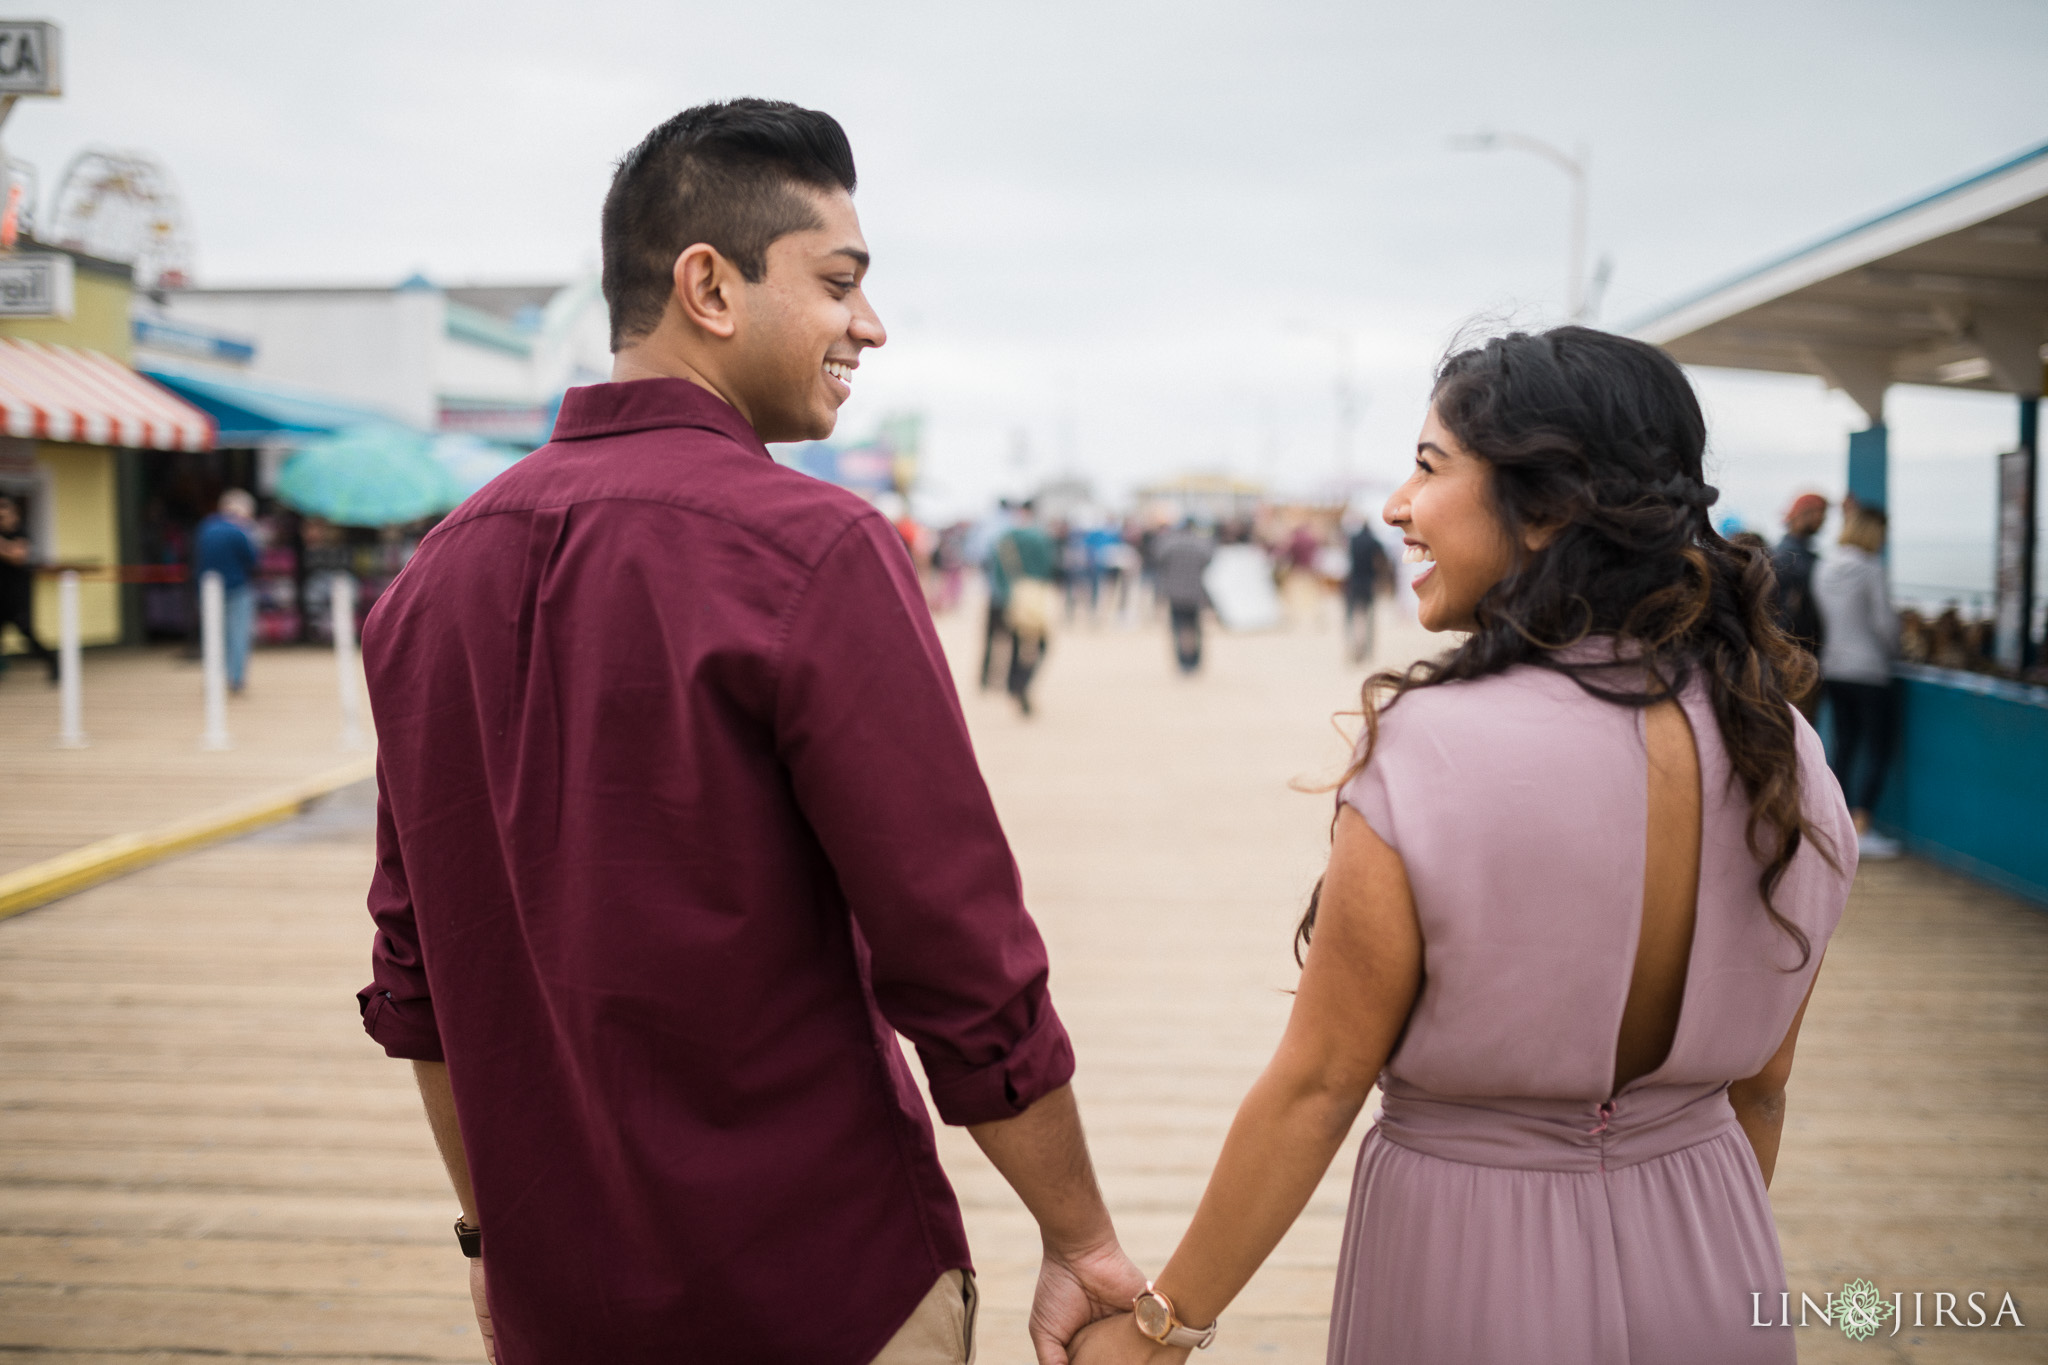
x=67 y=393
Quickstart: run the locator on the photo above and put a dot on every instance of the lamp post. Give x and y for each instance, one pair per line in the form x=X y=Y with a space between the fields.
x=1573 y=166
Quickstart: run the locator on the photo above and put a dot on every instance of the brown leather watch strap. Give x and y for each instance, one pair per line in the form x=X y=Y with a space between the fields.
x=470 y=1239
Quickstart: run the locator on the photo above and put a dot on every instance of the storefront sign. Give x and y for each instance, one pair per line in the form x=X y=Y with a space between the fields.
x=35 y=286
x=30 y=53
x=198 y=342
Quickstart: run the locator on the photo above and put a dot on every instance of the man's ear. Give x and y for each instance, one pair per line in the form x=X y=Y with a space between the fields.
x=704 y=286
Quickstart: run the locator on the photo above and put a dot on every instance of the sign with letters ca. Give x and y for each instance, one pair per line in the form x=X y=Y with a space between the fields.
x=29 y=58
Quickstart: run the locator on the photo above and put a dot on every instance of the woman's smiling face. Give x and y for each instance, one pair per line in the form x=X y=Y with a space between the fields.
x=1446 y=516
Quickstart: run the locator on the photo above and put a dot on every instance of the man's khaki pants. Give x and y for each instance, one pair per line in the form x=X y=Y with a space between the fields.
x=941 y=1330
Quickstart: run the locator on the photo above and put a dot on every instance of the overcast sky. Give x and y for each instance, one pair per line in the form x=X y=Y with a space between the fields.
x=1115 y=237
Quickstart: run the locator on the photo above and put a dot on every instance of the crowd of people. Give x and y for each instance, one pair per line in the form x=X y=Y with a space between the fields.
x=1046 y=574
x=1835 y=603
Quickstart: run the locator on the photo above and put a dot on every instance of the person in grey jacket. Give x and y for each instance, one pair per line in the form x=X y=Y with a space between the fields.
x=1859 y=640
x=1180 y=558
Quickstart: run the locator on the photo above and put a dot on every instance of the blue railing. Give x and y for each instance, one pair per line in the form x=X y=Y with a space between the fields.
x=1969 y=779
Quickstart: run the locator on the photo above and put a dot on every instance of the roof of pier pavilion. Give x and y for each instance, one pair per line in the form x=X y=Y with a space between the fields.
x=1950 y=290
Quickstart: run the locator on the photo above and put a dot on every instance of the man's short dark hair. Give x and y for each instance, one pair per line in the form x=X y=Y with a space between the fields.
x=728 y=174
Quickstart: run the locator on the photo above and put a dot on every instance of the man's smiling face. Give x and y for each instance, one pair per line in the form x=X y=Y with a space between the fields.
x=803 y=327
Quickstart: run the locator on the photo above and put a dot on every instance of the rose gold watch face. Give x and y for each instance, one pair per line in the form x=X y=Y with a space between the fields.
x=1154 y=1318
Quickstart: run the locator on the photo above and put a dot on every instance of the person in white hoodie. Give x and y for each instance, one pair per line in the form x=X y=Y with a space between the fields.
x=1859 y=640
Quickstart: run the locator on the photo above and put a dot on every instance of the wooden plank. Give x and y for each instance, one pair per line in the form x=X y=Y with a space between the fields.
x=144 y=766
x=41 y=882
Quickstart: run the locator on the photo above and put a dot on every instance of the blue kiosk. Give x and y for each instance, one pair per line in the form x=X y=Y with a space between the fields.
x=1949 y=290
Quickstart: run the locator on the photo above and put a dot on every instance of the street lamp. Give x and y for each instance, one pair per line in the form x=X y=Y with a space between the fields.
x=1573 y=166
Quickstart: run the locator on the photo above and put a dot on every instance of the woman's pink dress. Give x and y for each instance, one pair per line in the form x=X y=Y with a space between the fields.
x=1507 y=1208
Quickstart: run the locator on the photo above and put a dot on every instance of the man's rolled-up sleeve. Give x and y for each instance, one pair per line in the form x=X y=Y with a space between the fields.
x=878 y=752
x=398 y=1009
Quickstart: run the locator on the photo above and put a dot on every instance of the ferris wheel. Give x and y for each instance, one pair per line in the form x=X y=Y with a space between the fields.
x=122 y=206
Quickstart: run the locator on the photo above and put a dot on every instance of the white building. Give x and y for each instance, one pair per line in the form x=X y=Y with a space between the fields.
x=488 y=359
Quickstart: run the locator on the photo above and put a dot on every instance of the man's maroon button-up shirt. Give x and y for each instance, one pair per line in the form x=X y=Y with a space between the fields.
x=678 y=825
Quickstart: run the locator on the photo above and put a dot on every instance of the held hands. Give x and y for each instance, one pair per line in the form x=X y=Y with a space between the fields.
x=1117 y=1341
x=1077 y=1288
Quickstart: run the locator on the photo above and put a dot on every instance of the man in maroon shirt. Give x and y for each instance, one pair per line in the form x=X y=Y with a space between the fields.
x=679 y=826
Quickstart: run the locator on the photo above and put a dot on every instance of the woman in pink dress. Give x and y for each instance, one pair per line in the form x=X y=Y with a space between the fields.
x=1582 y=874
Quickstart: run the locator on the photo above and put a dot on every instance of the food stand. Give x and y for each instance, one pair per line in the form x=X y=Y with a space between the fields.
x=82 y=430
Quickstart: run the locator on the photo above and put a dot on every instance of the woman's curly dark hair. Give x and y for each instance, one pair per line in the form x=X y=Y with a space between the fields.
x=1600 y=440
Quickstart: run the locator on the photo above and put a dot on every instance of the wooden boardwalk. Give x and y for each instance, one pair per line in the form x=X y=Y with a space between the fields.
x=143 y=765
x=203 y=1158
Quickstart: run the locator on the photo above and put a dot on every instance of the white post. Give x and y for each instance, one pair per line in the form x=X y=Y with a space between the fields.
x=214 y=660
x=342 y=598
x=1576 y=168
x=70 y=701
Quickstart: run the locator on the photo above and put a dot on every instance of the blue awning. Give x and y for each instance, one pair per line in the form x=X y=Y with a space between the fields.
x=250 y=412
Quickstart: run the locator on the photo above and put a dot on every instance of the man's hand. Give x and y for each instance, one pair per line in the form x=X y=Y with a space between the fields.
x=1077 y=1289
x=483 y=1309
x=1044 y=1156
x=1117 y=1341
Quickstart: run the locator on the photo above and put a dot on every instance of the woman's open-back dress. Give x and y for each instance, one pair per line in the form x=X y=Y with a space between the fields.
x=1508 y=1205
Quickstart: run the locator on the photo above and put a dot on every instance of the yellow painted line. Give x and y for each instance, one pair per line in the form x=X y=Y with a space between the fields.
x=40 y=883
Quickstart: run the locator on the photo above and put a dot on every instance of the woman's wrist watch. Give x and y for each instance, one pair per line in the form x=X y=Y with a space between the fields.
x=1153 y=1312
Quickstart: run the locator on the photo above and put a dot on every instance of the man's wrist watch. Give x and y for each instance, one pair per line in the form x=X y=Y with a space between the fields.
x=1153 y=1312
x=470 y=1239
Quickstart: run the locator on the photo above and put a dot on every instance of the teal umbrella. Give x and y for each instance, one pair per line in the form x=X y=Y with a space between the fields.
x=368 y=476
x=472 y=461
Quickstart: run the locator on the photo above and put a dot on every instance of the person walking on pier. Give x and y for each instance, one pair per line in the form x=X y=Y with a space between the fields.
x=679 y=825
x=1369 y=569
x=1793 y=562
x=1603 y=826
x=1859 y=641
x=1181 y=556
x=18 y=585
x=1021 y=573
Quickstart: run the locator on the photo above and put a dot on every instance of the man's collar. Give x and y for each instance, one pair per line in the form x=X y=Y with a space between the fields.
x=649 y=405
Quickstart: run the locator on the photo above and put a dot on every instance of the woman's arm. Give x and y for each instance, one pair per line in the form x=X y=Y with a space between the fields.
x=1363 y=973
x=1760 y=1101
